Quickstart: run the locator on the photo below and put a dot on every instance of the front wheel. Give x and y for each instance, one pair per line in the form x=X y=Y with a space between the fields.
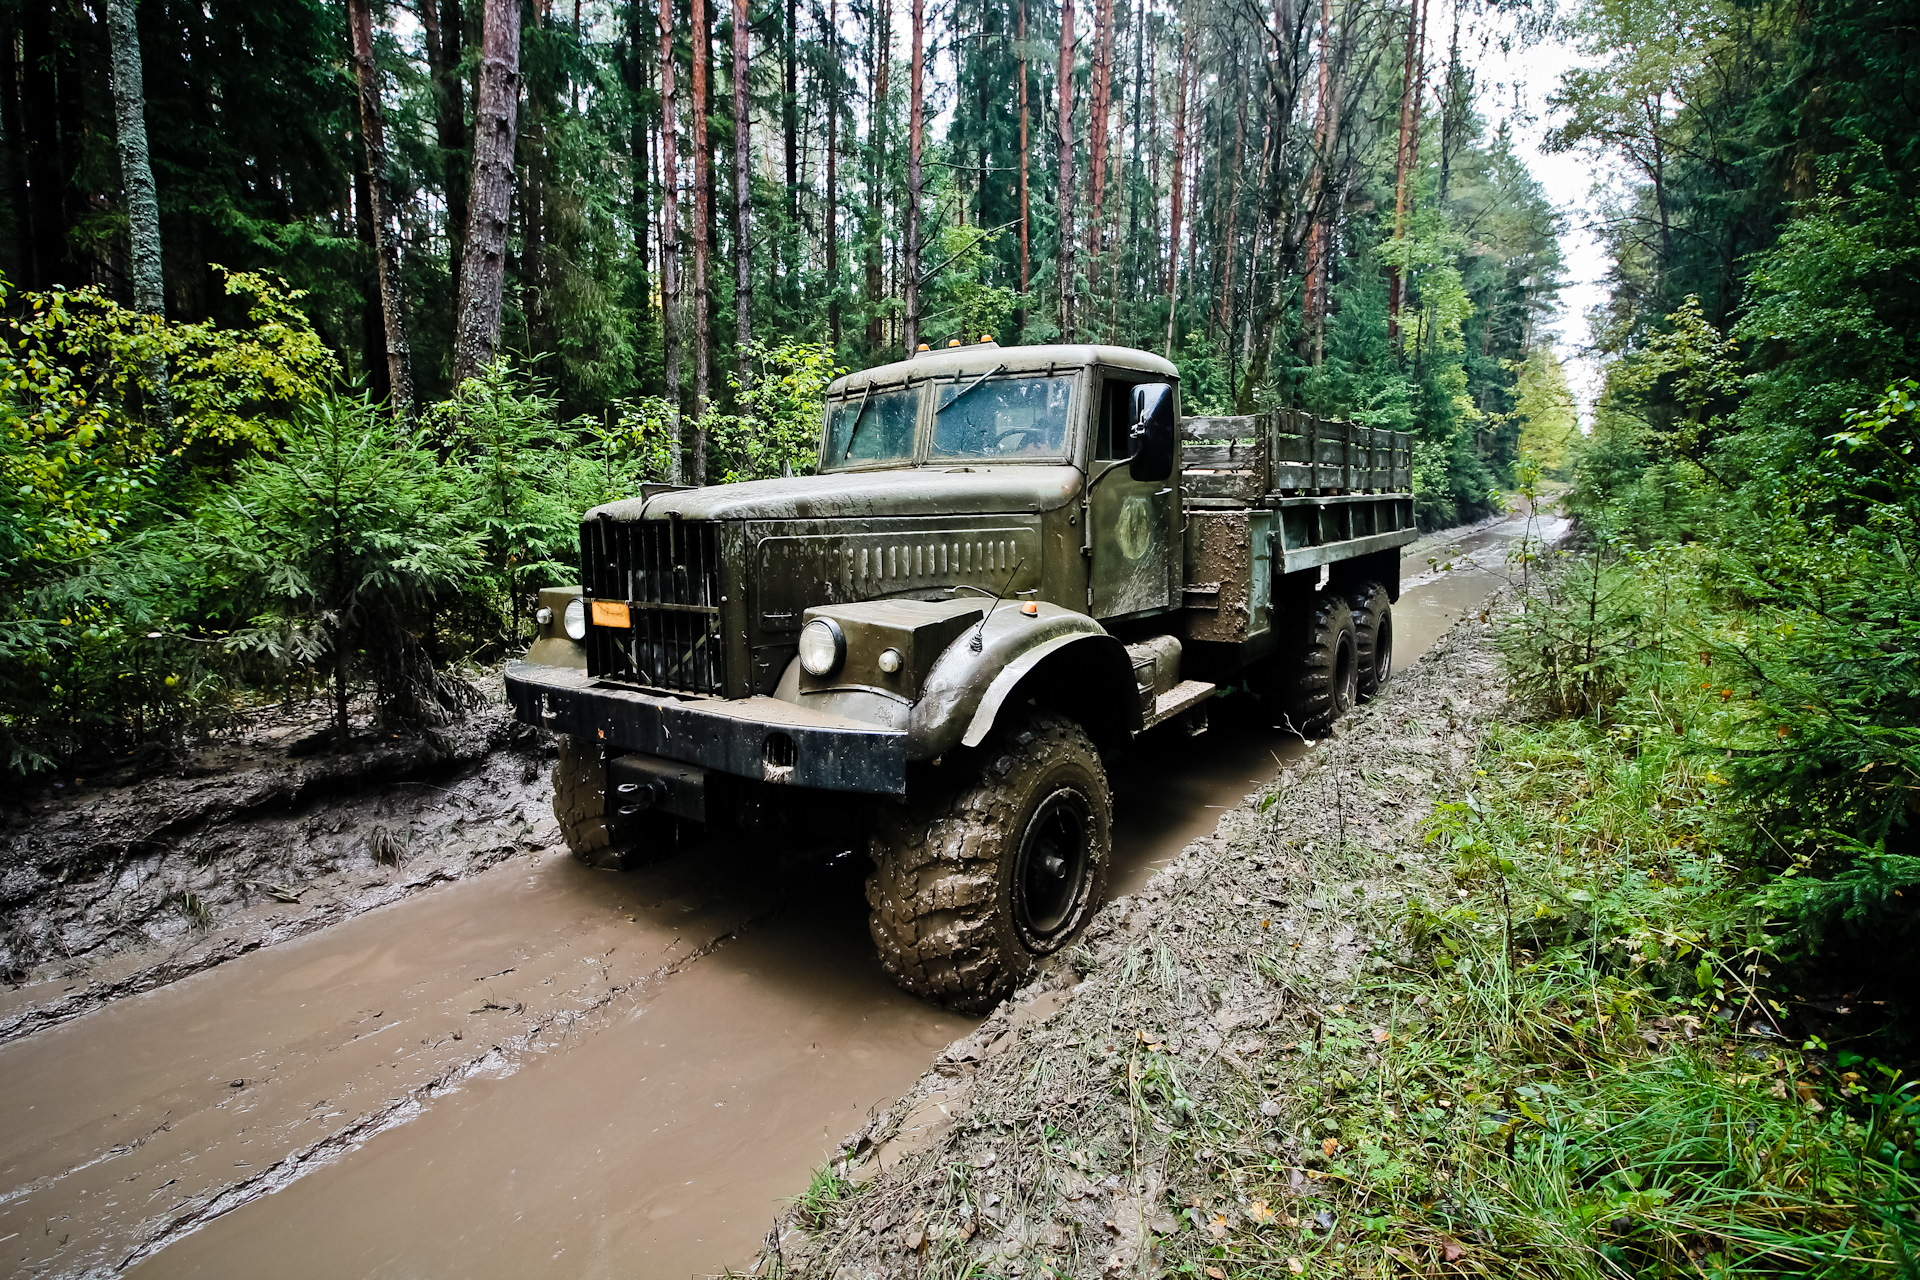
x=976 y=880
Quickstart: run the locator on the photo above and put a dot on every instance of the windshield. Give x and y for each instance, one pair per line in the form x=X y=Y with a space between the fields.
x=1001 y=418
x=869 y=428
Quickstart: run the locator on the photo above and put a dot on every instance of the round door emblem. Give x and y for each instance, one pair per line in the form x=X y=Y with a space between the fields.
x=1134 y=531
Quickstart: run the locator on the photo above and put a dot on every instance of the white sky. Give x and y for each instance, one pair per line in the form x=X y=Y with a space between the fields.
x=1514 y=86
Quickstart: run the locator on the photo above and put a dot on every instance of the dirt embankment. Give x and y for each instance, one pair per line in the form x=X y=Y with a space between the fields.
x=118 y=887
x=1148 y=1105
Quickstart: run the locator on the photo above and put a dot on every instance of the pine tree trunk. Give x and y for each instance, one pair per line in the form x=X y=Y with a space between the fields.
x=877 y=149
x=143 y=202
x=1402 y=161
x=702 y=240
x=634 y=67
x=790 y=114
x=916 y=127
x=1179 y=183
x=483 y=260
x=1026 y=227
x=672 y=316
x=1097 y=111
x=1064 y=198
x=833 y=178
x=46 y=164
x=443 y=22
x=742 y=194
x=386 y=240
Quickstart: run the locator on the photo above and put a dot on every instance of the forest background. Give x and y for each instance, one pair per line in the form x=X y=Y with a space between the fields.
x=568 y=248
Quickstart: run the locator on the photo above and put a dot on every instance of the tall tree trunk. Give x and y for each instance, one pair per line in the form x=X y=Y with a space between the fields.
x=916 y=127
x=1064 y=198
x=443 y=22
x=386 y=239
x=1317 y=183
x=18 y=260
x=702 y=243
x=833 y=172
x=742 y=194
x=143 y=202
x=1403 y=158
x=483 y=261
x=1026 y=228
x=1097 y=111
x=635 y=68
x=672 y=315
x=1179 y=185
x=882 y=39
x=46 y=168
x=372 y=320
x=790 y=114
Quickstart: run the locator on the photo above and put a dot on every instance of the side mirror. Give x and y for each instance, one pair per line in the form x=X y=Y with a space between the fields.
x=1154 y=440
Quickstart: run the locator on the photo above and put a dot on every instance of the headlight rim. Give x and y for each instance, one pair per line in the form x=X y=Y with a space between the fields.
x=574 y=620
x=839 y=651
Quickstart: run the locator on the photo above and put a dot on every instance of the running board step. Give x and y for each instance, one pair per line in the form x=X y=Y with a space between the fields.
x=1184 y=696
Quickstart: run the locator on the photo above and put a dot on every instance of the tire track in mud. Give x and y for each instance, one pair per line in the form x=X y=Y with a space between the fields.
x=500 y=1059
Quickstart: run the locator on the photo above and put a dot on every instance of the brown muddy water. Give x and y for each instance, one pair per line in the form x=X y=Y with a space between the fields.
x=543 y=1070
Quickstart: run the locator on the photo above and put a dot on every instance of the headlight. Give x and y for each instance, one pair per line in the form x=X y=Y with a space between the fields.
x=543 y=615
x=822 y=647
x=576 y=619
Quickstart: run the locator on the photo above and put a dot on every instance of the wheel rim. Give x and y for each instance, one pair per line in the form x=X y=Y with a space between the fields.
x=1345 y=674
x=1383 y=651
x=1049 y=878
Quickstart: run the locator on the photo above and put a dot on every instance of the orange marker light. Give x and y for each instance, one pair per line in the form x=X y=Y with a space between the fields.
x=923 y=346
x=953 y=342
x=1031 y=609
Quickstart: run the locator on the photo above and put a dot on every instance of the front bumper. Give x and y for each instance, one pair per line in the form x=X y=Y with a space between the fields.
x=762 y=738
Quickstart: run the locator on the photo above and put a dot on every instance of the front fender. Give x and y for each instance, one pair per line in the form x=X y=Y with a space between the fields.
x=966 y=689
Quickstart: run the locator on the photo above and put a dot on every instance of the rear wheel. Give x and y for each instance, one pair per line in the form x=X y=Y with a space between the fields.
x=1372 y=638
x=976 y=880
x=595 y=833
x=1320 y=684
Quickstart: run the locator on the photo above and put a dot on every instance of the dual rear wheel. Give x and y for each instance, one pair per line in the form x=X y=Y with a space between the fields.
x=1339 y=655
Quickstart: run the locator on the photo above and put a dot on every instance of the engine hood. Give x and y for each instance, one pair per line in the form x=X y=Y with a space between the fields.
x=908 y=491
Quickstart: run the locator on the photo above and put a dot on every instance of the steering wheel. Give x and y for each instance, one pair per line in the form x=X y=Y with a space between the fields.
x=1024 y=433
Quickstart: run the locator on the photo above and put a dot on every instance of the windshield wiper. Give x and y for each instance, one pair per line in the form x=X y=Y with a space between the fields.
x=999 y=368
x=854 y=430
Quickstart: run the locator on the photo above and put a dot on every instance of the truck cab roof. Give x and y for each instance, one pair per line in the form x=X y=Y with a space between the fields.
x=985 y=357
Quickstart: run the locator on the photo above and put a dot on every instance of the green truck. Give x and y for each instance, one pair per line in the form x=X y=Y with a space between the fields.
x=1011 y=562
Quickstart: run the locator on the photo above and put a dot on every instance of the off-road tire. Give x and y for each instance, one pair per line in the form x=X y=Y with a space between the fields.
x=1320 y=684
x=580 y=803
x=1372 y=638
x=942 y=897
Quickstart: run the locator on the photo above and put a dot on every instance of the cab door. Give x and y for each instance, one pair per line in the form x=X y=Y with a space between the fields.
x=1130 y=523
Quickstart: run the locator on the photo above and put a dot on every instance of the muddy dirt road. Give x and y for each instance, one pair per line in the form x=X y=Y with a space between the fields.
x=540 y=1071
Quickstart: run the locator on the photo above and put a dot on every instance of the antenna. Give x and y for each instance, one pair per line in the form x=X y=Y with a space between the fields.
x=981 y=630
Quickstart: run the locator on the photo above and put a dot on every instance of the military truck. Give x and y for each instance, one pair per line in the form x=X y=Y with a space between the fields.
x=1010 y=564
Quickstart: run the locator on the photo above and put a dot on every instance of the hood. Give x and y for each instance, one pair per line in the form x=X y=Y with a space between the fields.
x=907 y=491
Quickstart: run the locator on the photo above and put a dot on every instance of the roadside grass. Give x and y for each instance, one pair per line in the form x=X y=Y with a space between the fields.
x=1574 y=1064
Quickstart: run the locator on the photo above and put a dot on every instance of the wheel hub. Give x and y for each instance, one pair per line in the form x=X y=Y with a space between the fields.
x=1049 y=876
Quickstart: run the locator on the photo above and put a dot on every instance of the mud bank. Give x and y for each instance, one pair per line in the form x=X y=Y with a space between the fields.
x=117 y=888
x=1141 y=1105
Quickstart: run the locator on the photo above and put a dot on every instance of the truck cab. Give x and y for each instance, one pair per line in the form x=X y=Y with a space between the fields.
x=1009 y=562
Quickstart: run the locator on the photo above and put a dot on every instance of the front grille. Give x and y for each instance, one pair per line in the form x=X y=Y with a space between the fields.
x=668 y=574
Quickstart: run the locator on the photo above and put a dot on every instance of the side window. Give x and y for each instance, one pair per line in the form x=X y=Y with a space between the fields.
x=1116 y=407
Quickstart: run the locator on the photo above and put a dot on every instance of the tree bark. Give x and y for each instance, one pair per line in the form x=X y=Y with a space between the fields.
x=702 y=240
x=635 y=69
x=45 y=156
x=1179 y=185
x=833 y=173
x=672 y=316
x=483 y=260
x=1097 y=112
x=790 y=114
x=916 y=127
x=1403 y=161
x=1026 y=228
x=882 y=38
x=143 y=202
x=742 y=194
x=1064 y=199
x=386 y=240
x=443 y=22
